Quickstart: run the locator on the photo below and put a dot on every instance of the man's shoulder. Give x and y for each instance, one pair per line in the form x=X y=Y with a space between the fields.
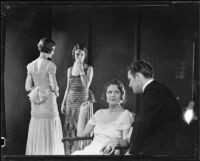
x=156 y=84
x=156 y=88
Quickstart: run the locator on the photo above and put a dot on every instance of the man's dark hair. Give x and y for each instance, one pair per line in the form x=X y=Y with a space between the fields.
x=142 y=67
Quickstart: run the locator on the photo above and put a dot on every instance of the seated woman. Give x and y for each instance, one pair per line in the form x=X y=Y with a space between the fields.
x=111 y=125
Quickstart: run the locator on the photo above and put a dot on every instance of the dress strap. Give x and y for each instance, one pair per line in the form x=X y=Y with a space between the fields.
x=70 y=72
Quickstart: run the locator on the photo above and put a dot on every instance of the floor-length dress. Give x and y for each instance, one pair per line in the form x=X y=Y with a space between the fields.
x=45 y=129
x=104 y=131
x=76 y=96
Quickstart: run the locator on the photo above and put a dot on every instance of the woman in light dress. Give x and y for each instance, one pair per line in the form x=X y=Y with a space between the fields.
x=45 y=130
x=111 y=125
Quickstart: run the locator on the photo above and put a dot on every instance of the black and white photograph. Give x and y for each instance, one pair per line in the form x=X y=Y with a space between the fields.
x=100 y=80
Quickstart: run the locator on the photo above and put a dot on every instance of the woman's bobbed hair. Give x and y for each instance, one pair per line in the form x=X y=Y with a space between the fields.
x=79 y=46
x=46 y=45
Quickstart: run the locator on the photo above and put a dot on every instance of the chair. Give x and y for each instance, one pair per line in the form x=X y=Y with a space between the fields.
x=90 y=114
x=118 y=150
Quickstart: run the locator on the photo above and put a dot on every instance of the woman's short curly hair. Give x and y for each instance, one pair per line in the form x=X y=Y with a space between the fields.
x=46 y=45
x=80 y=47
x=121 y=88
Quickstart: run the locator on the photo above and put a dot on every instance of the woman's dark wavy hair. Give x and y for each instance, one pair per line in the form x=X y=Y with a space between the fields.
x=80 y=47
x=120 y=87
x=46 y=45
x=143 y=67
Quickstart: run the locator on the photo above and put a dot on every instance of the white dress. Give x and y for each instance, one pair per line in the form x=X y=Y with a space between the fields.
x=45 y=130
x=104 y=132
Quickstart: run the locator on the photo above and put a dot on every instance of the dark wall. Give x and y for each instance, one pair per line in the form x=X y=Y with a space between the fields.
x=110 y=35
x=113 y=41
x=167 y=42
x=118 y=35
x=167 y=37
x=24 y=28
x=70 y=26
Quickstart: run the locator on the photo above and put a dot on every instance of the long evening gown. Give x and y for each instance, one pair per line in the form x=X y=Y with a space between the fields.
x=45 y=129
x=104 y=131
x=76 y=96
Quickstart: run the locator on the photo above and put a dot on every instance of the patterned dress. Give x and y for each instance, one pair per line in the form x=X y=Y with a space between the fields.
x=77 y=94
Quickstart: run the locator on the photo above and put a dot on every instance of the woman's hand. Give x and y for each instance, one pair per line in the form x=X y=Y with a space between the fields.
x=85 y=106
x=109 y=148
x=81 y=69
x=83 y=128
x=63 y=108
x=128 y=137
x=78 y=66
x=57 y=93
x=127 y=153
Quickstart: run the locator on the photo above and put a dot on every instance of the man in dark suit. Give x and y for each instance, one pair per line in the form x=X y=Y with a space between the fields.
x=158 y=121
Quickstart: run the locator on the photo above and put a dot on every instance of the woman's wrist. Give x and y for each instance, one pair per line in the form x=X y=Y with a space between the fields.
x=83 y=112
x=84 y=108
x=32 y=88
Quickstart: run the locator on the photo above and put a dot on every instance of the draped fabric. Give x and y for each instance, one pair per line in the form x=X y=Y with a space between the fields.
x=105 y=131
x=45 y=129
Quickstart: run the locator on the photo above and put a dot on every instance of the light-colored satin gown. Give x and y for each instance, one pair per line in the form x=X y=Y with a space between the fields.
x=45 y=130
x=104 y=132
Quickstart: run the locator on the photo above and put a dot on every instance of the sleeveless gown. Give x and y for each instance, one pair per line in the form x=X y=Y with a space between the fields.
x=76 y=96
x=45 y=129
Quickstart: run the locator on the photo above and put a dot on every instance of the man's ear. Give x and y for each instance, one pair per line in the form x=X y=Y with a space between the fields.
x=139 y=76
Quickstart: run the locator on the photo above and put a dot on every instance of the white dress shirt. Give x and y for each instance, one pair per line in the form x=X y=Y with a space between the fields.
x=149 y=81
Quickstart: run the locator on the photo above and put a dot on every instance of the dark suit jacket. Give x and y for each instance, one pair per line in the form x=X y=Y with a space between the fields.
x=158 y=122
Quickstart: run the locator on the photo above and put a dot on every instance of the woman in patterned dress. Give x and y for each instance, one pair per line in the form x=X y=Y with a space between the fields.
x=79 y=78
x=45 y=129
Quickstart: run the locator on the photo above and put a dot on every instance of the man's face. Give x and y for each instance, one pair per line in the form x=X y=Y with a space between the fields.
x=135 y=83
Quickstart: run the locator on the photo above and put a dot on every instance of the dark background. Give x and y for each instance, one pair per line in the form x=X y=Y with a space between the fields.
x=165 y=34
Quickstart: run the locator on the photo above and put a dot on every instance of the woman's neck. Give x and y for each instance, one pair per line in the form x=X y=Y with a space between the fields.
x=82 y=62
x=43 y=55
x=115 y=108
